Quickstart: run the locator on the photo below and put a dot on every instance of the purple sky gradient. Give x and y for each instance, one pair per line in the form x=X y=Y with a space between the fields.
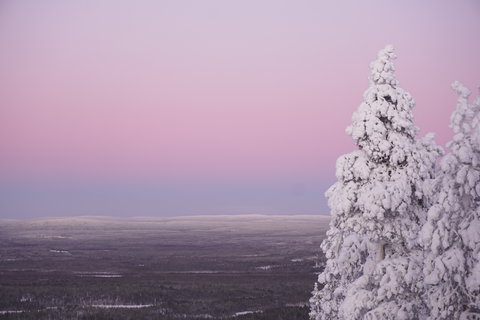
x=206 y=107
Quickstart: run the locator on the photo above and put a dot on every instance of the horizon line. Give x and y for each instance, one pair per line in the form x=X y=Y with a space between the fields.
x=248 y=215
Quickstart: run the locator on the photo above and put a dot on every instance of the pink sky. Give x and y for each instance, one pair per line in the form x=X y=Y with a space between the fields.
x=253 y=95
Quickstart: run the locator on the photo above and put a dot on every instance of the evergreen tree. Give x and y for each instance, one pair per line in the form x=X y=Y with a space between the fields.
x=378 y=206
x=451 y=235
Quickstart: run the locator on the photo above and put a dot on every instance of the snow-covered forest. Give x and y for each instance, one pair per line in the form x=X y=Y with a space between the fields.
x=404 y=239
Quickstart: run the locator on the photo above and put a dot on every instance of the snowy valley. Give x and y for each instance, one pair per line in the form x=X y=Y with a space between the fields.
x=212 y=267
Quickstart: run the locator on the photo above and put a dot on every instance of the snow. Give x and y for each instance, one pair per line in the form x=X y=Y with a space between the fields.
x=199 y=271
x=61 y=251
x=265 y=268
x=451 y=234
x=122 y=306
x=98 y=274
x=11 y=311
x=378 y=206
x=241 y=313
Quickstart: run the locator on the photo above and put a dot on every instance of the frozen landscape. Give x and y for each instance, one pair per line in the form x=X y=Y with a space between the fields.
x=189 y=160
x=213 y=267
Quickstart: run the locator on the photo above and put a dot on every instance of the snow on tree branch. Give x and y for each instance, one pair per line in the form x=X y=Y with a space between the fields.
x=378 y=206
x=451 y=234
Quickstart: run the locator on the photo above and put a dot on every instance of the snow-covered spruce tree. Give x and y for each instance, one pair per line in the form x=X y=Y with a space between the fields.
x=378 y=207
x=451 y=235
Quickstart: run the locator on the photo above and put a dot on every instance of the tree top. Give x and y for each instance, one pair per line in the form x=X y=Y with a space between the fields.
x=382 y=70
x=460 y=89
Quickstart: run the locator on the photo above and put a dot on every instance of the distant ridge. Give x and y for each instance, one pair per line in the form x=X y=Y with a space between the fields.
x=159 y=219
